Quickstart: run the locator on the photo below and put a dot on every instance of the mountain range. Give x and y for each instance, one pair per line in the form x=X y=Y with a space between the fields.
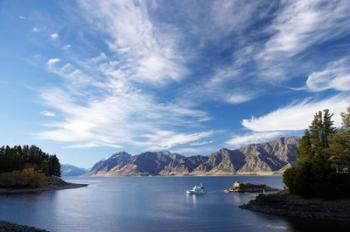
x=71 y=170
x=256 y=159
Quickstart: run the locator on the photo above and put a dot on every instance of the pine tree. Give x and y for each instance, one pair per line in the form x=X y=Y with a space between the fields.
x=320 y=147
x=346 y=119
x=304 y=152
x=19 y=158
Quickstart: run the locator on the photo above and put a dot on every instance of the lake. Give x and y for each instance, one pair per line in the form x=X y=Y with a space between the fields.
x=135 y=204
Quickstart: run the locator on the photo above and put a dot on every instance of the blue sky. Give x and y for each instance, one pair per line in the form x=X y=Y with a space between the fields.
x=84 y=79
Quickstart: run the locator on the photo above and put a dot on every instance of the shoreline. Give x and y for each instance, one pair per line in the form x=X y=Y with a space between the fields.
x=52 y=183
x=8 y=226
x=42 y=189
x=284 y=204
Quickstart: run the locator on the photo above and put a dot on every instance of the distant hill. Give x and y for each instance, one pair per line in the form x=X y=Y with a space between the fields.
x=256 y=159
x=70 y=170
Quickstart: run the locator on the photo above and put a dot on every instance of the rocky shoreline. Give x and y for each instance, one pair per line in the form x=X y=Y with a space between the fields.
x=53 y=183
x=10 y=227
x=285 y=204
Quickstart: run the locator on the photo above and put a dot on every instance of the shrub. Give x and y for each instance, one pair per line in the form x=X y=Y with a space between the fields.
x=26 y=178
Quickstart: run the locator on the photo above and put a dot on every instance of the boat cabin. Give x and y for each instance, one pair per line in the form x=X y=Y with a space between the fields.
x=237 y=184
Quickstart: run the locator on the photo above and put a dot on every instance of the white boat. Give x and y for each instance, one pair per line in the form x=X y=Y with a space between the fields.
x=197 y=190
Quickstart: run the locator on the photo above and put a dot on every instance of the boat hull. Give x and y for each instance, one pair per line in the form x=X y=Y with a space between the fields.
x=194 y=193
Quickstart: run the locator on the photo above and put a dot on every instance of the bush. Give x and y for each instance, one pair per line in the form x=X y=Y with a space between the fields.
x=26 y=178
x=289 y=179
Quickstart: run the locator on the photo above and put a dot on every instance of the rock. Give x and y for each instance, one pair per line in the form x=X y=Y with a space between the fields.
x=284 y=204
x=10 y=227
x=250 y=188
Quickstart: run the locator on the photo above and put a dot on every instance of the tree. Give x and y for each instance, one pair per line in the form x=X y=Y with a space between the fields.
x=322 y=151
x=346 y=119
x=54 y=166
x=27 y=157
x=45 y=167
x=304 y=152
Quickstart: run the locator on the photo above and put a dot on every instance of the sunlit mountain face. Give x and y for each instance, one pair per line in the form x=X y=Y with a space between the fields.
x=84 y=79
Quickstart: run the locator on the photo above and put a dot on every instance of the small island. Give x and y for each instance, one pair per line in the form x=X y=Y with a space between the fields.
x=27 y=169
x=318 y=185
x=250 y=188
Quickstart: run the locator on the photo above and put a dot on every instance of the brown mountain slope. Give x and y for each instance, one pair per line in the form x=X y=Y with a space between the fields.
x=263 y=158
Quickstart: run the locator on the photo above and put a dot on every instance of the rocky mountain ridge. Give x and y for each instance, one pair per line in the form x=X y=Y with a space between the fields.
x=256 y=159
x=71 y=170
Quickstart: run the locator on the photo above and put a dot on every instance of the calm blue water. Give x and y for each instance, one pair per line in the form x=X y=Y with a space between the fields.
x=147 y=204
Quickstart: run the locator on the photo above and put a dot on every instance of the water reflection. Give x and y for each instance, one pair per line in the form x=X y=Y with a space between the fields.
x=192 y=199
x=147 y=204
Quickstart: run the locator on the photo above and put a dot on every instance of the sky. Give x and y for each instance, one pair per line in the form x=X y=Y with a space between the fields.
x=85 y=79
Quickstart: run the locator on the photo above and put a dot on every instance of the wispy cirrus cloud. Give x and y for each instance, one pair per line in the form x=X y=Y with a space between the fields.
x=254 y=137
x=128 y=118
x=237 y=98
x=101 y=106
x=36 y=29
x=67 y=46
x=52 y=61
x=289 y=119
x=150 y=52
x=160 y=64
x=299 y=25
x=336 y=75
x=168 y=139
x=48 y=113
x=298 y=115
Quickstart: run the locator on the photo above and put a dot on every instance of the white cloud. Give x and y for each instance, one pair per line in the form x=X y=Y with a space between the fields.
x=36 y=29
x=336 y=76
x=227 y=85
x=238 y=98
x=152 y=51
x=22 y=17
x=102 y=101
x=201 y=143
x=101 y=107
x=169 y=139
x=223 y=18
x=297 y=116
x=48 y=113
x=67 y=46
x=299 y=25
x=106 y=100
x=53 y=61
x=253 y=138
x=54 y=36
x=91 y=145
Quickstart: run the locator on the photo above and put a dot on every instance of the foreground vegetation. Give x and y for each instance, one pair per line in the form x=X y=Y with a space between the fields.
x=323 y=159
x=26 y=167
x=26 y=178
